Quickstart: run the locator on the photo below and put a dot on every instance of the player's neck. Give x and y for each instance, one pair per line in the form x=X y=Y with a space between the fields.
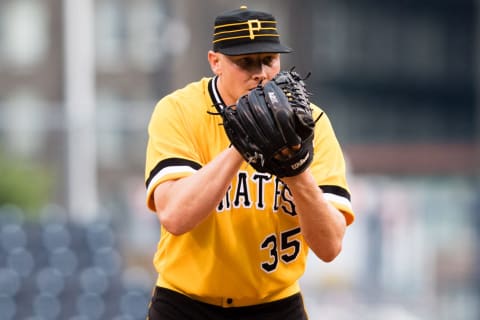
x=223 y=92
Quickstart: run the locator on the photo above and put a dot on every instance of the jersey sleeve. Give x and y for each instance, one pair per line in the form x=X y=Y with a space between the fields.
x=328 y=166
x=170 y=154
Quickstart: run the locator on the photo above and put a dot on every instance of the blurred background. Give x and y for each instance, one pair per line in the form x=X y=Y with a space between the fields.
x=400 y=81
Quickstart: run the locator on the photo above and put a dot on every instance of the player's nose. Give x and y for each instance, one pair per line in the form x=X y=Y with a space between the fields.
x=260 y=73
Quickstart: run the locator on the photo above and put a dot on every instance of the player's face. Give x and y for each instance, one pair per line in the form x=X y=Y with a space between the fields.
x=240 y=74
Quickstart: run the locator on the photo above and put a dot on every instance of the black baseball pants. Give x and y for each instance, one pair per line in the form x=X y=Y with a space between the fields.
x=170 y=305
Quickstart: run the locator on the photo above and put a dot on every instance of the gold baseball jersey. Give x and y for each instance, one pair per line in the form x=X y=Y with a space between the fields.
x=250 y=249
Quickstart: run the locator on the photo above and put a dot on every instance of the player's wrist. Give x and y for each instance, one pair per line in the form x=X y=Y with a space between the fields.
x=234 y=154
x=301 y=177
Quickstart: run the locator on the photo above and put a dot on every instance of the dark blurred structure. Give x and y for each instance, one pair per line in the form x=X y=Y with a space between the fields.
x=398 y=78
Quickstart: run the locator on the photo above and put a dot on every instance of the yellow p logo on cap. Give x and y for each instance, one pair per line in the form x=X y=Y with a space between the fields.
x=253 y=25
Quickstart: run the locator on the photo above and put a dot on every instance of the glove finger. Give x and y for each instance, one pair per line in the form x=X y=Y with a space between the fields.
x=250 y=125
x=304 y=123
x=261 y=125
x=234 y=129
x=262 y=112
x=282 y=114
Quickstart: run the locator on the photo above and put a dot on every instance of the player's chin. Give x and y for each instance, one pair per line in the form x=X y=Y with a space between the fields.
x=246 y=91
x=256 y=86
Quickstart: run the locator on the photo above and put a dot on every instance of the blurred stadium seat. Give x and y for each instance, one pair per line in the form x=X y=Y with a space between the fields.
x=7 y=307
x=56 y=269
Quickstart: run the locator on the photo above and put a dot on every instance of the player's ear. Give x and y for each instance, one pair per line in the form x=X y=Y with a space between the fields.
x=214 y=60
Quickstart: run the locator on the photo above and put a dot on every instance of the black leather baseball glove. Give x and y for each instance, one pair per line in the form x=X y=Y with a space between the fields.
x=272 y=126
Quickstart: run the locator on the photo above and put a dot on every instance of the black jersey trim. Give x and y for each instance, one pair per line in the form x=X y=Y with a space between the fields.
x=215 y=95
x=171 y=162
x=336 y=190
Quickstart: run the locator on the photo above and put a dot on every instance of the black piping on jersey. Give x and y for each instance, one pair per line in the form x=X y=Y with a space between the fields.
x=215 y=95
x=171 y=162
x=336 y=190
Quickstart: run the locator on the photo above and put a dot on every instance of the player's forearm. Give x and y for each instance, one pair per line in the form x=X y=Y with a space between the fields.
x=183 y=204
x=323 y=226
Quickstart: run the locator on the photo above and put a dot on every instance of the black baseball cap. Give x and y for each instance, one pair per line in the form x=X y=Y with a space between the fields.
x=244 y=31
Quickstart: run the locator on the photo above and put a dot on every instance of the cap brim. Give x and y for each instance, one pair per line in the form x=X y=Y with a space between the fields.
x=255 y=47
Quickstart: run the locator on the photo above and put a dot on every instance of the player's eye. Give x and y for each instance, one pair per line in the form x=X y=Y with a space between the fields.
x=268 y=61
x=245 y=63
x=252 y=63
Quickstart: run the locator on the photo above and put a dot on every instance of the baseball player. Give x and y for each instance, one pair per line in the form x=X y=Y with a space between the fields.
x=234 y=240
